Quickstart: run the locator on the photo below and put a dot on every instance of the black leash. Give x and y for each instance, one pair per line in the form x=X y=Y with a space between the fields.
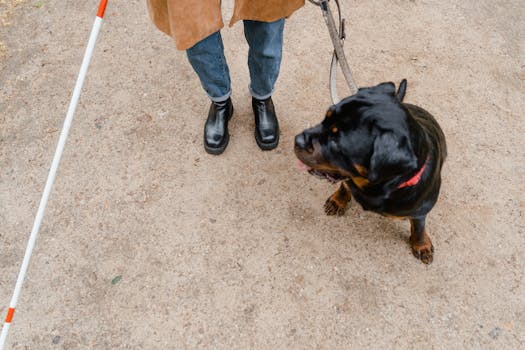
x=338 y=37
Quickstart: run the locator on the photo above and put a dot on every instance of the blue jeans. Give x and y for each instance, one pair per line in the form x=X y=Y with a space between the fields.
x=265 y=41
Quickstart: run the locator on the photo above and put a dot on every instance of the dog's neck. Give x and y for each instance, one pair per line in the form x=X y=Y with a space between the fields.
x=417 y=176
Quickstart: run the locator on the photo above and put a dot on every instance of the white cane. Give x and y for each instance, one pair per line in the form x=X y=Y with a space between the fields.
x=52 y=172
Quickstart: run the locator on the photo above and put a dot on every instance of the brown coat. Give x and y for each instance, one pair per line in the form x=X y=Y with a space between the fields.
x=188 y=22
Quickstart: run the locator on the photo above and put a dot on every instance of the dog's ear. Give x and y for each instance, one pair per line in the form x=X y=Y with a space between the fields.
x=402 y=90
x=392 y=155
x=386 y=88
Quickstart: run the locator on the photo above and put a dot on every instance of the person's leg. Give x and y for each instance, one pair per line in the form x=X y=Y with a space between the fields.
x=264 y=61
x=264 y=56
x=208 y=60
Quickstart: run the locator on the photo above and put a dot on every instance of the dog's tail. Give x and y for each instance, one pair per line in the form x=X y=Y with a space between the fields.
x=402 y=90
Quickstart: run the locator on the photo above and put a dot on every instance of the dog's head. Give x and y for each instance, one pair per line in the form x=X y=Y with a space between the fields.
x=364 y=137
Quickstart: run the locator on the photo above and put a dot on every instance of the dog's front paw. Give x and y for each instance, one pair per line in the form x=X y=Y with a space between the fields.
x=424 y=251
x=337 y=202
x=334 y=207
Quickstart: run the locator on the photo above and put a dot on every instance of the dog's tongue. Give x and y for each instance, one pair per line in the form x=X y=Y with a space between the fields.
x=302 y=167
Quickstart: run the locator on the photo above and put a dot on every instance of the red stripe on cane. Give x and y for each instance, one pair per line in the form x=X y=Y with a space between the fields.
x=102 y=8
x=10 y=314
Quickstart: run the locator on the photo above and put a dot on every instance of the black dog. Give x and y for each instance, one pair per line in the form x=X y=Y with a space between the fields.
x=388 y=154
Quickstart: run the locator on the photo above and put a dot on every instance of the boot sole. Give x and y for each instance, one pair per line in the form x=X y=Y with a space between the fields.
x=218 y=150
x=266 y=146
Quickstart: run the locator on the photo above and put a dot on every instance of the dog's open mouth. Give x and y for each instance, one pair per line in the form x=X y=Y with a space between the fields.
x=331 y=177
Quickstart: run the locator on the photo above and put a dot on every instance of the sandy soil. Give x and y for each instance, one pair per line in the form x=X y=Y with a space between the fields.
x=235 y=252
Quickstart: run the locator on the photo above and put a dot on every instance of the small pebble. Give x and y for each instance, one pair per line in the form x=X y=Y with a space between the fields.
x=116 y=279
x=56 y=339
x=495 y=333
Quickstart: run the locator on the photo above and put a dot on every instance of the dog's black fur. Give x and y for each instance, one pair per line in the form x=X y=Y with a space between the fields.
x=375 y=143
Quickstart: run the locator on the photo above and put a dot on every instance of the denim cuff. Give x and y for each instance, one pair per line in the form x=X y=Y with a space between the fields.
x=260 y=97
x=221 y=98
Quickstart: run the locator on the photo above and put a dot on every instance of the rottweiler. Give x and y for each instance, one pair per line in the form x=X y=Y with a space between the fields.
x=387 y=153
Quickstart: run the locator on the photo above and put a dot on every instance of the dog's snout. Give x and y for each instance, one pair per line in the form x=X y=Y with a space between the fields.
x=300 y=140
x=304 y=142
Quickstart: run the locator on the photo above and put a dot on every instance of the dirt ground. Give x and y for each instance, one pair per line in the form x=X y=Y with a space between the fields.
x=234 y=251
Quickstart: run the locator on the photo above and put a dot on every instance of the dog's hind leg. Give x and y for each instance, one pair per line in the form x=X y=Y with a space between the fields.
x=420 y=241
x=337 y=202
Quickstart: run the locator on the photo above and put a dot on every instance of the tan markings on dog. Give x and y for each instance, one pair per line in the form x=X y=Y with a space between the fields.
x=340 y=199
x=329 y=113
x=326 y=167
x=335 y=130
x=345 y=185
x=361 y=169
x=359 y=181
x=337 y=202
x=422 y=249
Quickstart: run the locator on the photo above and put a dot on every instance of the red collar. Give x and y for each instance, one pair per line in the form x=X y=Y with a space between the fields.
x=415 y=179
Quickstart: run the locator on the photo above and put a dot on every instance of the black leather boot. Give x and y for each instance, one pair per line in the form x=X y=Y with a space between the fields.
x=216 y=136
x=266 y=124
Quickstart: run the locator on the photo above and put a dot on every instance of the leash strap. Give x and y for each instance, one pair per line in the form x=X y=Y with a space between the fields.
x=338 y=56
